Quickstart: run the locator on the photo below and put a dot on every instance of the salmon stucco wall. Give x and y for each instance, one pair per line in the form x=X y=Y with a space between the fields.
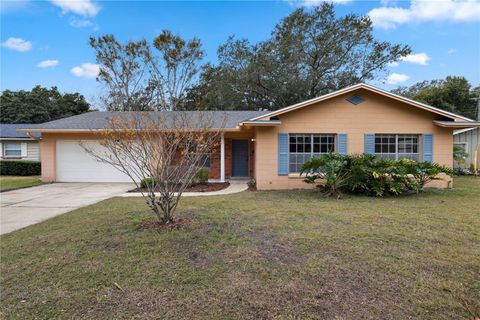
x=48 y=153
x=376 y=114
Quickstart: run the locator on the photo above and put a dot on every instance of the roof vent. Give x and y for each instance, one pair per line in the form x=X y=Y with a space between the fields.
x=355 y=99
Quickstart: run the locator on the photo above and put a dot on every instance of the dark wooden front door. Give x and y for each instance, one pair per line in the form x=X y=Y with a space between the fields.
x=240 y=158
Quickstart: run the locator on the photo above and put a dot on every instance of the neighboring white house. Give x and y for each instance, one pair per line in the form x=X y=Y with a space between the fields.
x=468 y=139
x=18 y=145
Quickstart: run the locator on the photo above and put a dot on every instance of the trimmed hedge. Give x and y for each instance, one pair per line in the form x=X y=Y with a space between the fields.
x=19 y=168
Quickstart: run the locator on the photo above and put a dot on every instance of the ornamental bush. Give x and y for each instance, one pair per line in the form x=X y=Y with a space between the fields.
x=365 y=174
x=19 y=168
x=202 y=176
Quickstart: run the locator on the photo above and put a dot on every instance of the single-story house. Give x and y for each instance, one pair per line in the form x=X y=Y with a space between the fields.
x=469 y=140
x=18 y=145
x=270 y=146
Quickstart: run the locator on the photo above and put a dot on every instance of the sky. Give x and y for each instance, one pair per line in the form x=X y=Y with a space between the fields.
x=46 y=42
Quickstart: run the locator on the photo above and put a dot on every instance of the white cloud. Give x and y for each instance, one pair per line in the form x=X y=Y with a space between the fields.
x=80 y=23
x=388 y=2
x=396 y=78
x=451 y=51
x=48 y=63
x=417 y=58
x=17 y=44
x=10 y=6
x=314 y=3
x=389 y=17
x=86 y=70
x=85 y=8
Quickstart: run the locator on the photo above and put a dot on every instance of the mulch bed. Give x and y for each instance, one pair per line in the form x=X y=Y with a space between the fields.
x=177 y=224
x=207 y=187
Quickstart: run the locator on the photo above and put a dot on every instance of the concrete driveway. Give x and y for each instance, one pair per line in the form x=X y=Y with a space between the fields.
x=24 y=207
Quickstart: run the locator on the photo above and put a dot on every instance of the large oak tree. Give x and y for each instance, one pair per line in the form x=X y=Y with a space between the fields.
x=454 y=94
x=310 y=52
x=40 y=105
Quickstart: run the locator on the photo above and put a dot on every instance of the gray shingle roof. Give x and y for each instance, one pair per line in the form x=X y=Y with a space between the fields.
x=9 y=130
x=98 y=119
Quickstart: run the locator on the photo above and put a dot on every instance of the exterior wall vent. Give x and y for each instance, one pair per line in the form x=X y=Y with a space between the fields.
x=355 y=99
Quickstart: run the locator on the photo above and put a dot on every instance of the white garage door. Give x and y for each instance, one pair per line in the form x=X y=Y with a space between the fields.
x=74 y=164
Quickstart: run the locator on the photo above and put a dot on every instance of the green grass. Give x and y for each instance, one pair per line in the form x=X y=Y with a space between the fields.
x=16 y=182
x=253 y=255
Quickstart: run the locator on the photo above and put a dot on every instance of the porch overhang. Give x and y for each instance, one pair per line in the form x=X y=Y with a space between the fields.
x=102 y=130
x=457 y=124
x=261 y=123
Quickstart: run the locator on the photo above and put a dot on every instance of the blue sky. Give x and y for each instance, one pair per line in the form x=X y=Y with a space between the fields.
x=46 y=42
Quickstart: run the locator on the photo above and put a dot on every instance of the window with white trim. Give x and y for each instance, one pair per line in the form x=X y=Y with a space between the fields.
x=303 y=146
x=397 y=146
x=12 y=150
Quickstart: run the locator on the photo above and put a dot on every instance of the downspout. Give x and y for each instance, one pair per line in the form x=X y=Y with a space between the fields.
x=29 y=134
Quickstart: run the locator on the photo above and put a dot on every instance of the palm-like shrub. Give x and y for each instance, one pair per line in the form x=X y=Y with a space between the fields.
x=331 y=169
x=365 y=174
x=459 y=155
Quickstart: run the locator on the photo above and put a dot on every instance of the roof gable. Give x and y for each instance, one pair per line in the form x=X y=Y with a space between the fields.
x=370 y=88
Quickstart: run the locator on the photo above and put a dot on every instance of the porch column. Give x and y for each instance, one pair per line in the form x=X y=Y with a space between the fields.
x=222 y=158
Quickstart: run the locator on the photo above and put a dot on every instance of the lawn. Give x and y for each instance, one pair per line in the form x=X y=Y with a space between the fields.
x=253 y=255
x=15 y=182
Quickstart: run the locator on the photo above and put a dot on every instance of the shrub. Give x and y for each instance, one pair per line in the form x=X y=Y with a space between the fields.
x=331 y=168
x=146 y=182
x=19 y=168
x=459 y=155
x=202 y=176
x=365 y=174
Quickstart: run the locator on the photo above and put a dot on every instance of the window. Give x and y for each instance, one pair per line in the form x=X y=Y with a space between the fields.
x=13 y=150
x=397 y=146
x=205 y=160
x=303 y=146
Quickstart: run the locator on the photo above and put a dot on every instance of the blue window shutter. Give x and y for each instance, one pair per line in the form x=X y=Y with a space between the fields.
x=283 y=154
x=342 y=143
x=427 y=148
x=369 y=143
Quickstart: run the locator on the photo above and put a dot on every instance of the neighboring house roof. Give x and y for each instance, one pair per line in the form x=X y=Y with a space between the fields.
x=457 y=124
x=463 y=130
x=366 y=87
x=99 y=119
x=9 y=130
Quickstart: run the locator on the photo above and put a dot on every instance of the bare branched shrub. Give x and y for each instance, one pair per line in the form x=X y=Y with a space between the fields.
x=164 y=148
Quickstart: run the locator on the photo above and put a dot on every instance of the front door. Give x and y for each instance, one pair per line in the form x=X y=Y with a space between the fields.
x=240 y=158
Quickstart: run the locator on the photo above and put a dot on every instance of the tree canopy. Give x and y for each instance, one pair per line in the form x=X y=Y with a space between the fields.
x=454 y=94
x=309 y=53
x=141 y=77
x=40 y=105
